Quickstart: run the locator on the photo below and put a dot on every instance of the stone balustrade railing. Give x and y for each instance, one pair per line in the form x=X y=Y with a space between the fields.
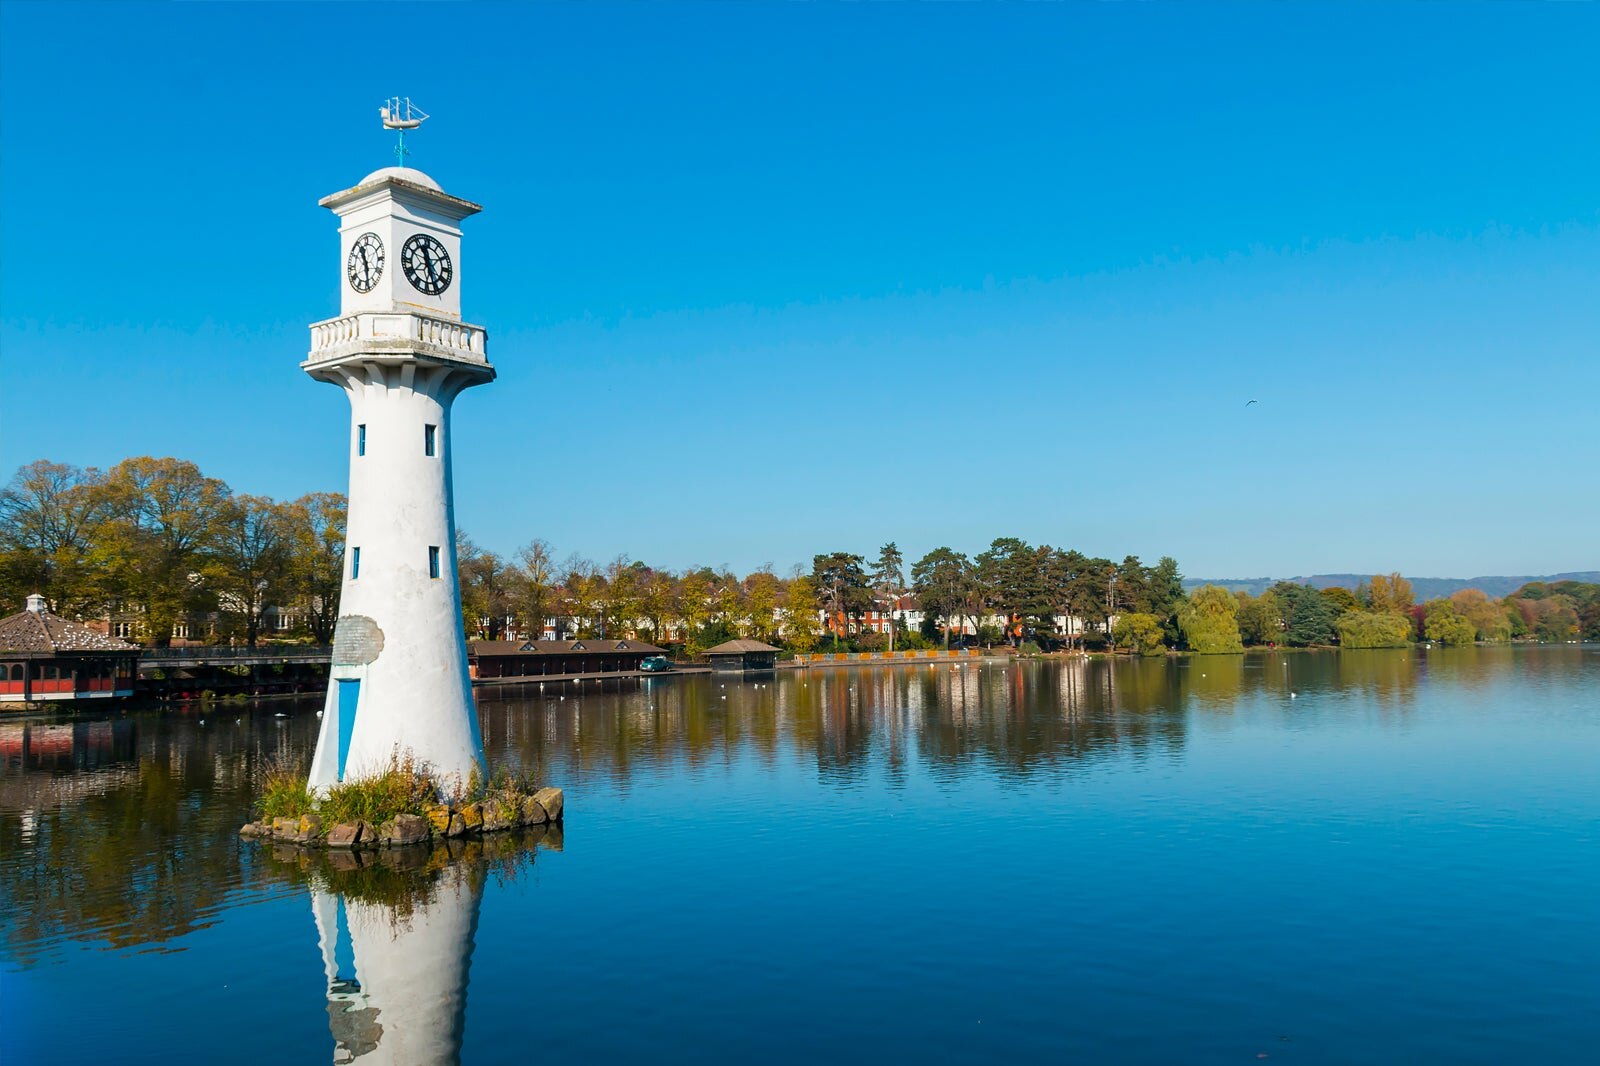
x=456 y=340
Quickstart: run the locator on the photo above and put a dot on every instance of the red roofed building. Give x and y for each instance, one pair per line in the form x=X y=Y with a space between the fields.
x=45 y=657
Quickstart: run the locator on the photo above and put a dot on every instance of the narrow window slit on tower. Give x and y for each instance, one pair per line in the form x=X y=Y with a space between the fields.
x=355 y=563
x=433 y=562
x=429 y=433
x=361 y=439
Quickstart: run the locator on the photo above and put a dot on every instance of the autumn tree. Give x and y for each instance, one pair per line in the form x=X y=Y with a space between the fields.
x=533 y=583
x=619 y=596
x=249 y=563
x=697 y=606
x=314 y=538
x=800 y=609
x=153 y=549
x=488 y=588
x=580 y=595
x=1547 y=616
x=48 y=516
x=1390 y=592
x=1488 y=618
x=656 y=593
x=763 y=594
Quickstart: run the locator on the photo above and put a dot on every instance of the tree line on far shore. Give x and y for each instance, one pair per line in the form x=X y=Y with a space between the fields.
x=160 y=542
x=156 y=540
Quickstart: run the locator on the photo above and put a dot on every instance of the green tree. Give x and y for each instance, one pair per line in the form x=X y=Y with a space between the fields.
x=1093 y=592
x=1059 y=572
x=1209 y=620
x=1373 y=629
x=940 y=581
x=1341 y=598
x=889 y=582
x=841 y=585
x=1260 y=618
x=1308 y=617
x=1138 y=632
x=1164 y=589
x=1444 y=624
x=1009 y=573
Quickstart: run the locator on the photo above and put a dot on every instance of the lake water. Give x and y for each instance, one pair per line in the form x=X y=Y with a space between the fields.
x=1305 y=857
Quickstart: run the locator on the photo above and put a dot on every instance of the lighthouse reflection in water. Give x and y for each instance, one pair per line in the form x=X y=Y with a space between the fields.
x=396 y=932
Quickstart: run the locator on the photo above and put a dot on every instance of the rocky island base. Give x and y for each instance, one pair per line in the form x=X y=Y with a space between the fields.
x=398 y=808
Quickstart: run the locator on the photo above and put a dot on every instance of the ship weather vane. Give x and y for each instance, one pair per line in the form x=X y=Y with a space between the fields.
x=400 y=114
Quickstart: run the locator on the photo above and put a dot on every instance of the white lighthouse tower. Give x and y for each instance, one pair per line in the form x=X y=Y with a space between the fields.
x=401 y=352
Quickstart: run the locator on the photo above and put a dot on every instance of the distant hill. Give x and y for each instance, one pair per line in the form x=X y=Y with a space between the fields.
x=1425 y=588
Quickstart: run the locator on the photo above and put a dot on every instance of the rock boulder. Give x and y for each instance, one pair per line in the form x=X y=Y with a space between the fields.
x=404 y=829
x=346 y=835
x=552 y=800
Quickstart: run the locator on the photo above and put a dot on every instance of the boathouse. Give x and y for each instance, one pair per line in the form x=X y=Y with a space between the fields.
x=506 y=659
x=742 y=656
x=45 y=657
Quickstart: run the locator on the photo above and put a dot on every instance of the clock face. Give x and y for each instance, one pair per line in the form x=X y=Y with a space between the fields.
x=365 y=265
x=427 y=264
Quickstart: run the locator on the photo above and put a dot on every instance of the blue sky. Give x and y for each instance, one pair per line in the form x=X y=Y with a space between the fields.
x=768 y=280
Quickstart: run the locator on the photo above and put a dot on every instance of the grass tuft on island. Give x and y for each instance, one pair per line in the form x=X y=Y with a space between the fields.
x=402 y=804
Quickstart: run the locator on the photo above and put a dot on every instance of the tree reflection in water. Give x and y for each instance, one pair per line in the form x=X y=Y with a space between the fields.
x=104 y=823
x=122 y=829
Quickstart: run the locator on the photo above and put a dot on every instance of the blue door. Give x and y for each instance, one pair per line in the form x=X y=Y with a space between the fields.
x=349 y=693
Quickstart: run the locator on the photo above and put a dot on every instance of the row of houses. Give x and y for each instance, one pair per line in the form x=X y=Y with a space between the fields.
x=903 y=615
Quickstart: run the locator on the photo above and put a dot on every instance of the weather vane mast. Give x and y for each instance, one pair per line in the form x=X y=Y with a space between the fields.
x=400 y=114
